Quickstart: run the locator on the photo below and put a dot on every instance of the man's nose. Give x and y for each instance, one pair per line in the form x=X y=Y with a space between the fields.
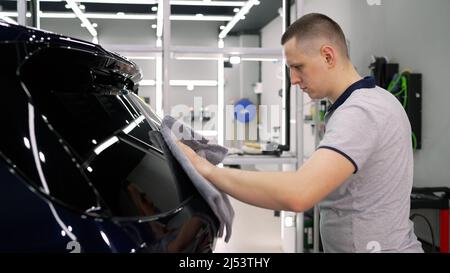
x=295 y=79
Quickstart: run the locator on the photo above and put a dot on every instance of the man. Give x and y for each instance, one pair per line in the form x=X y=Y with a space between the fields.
x=362 y=171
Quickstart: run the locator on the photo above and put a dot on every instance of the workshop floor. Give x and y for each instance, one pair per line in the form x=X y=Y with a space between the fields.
x=254 y=230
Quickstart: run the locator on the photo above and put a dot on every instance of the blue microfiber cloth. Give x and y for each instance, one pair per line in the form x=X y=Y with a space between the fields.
x=173 y=130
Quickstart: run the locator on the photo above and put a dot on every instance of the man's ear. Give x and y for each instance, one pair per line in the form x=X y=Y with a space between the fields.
x=329 y=55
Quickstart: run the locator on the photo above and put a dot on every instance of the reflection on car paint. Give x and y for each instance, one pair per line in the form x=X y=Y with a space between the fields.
x=81 y=169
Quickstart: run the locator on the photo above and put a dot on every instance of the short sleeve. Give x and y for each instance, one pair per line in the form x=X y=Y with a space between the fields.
x=351 y=131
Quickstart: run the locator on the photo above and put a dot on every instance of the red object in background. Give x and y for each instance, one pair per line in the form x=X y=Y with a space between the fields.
x=444 y=230
x=437 y=198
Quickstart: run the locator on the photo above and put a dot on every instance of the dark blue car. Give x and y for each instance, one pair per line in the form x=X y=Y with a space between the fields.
x=81 y=170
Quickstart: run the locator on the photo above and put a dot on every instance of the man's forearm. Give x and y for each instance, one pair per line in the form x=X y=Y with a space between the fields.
x=270 y=192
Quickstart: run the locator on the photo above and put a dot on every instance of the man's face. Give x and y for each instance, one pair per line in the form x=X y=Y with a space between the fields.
x=307 y=68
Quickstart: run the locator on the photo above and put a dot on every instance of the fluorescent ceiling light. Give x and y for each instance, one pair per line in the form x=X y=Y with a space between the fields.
x=110 y=1
x=98 y=16
x=260 y=59
x=200 y=18
x=159 y=20
x=244 y=10
x=235 y=59
x=208 y=3
x=173 y=2
x=193 y=58
x=121 y=16
x=220 y=43
x=82 y=17
x=125 y=17
x=7 y=19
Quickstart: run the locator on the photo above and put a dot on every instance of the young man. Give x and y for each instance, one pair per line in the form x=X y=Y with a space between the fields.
x=362 y=171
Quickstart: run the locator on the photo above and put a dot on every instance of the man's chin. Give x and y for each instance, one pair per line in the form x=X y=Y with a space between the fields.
x=311 y=96
x=314 y=96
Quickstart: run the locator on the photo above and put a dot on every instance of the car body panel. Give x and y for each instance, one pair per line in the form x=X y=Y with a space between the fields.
x=76 y=152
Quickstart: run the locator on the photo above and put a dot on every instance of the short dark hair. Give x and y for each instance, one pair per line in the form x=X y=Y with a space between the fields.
x=316 y=25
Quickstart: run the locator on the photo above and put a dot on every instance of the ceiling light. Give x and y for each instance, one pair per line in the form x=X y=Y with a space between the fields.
x=260 y=59
x=159 y=22
x=83 y=7
x=220 y=44
x=235 y=59
x=67 y=6
x=200 y=18
x=199 y=15
x=154 y=8
x=197 y=58
x=123 y=16
x=153 y=25
x=94 y=24
x=236 y=10
x=82 y=17
x=209 y=3
x=221 y=27
x=244 y=10
x=120 y=13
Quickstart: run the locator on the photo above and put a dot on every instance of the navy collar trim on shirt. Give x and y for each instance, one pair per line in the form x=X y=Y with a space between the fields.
x=367 y=82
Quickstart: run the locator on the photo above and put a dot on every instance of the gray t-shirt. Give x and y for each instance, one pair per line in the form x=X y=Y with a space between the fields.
x=370 y=211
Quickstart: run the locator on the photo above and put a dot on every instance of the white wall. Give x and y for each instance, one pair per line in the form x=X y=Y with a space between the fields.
x=418 y=37
x=415 y=34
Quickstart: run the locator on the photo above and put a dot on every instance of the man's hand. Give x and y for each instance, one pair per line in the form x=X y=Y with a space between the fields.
x=203 y=166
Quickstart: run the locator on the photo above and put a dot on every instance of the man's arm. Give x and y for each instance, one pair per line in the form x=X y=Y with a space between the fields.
x=291 y=191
